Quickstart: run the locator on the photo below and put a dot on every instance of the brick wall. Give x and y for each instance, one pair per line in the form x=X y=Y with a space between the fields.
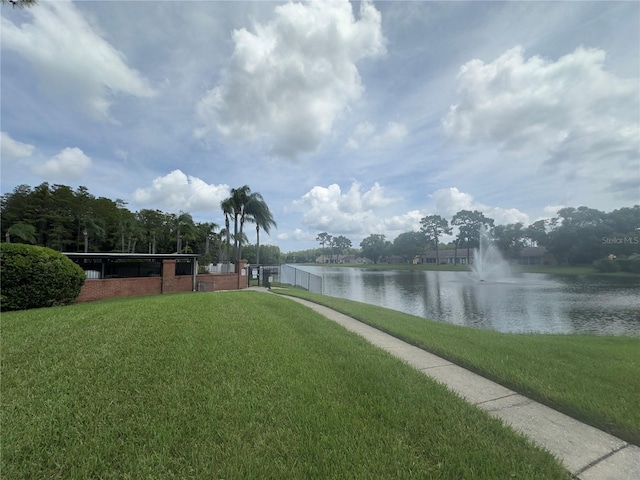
x=98 y=289
x=171 y=283
x=119 y=287
x=222 y=281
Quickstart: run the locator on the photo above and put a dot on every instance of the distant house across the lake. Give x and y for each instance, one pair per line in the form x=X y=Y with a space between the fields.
x=528 y=256
x=341 y=259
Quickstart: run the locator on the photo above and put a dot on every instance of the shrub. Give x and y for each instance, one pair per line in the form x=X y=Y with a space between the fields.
x=34 y=277
x=624 y=264
x=606 y=266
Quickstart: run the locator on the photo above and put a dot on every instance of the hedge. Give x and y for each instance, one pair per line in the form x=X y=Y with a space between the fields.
x=35 y=277
x=631 y=264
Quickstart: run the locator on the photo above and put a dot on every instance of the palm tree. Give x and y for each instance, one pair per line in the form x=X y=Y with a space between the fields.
x=20 y=3
x=255 y=210
x=245 y=205
x=185 y=229
x=222 y=244
x=235 y=206
x=92 y=227
x=126 y=221
x=152 y=222
x=206 y=231
x=24 y=231
x=127 y=226
x=227 y=209
x=260 y=214
x=240 y=198
x=135 y=233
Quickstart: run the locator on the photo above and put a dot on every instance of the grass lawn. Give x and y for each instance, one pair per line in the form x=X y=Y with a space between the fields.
x=592 y=378
x=231 y=385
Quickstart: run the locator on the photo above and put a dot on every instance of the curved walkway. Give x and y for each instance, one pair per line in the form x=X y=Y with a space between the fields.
x=588 y=453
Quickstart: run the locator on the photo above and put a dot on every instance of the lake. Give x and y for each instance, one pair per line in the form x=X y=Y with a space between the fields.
x=528 y=302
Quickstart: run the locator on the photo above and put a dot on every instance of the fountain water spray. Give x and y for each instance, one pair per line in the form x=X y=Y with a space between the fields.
x=488 y=263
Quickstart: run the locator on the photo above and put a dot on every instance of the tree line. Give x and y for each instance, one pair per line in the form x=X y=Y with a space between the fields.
x=335 y=245
x=574 y=236
x=58 y=217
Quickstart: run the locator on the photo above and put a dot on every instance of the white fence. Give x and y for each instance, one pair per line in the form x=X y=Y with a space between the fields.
x=221 y=268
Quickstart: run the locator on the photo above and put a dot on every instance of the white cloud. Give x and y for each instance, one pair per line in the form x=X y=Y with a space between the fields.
x=551 y=211
x=72 y=59
x=580 y=120
x=121 y=154
x=351 y=212
x=291 y=78
x=449 y=201
x=516 y=102
x=69 y=164
x=357 y=214
x=298 y=235
x=366 y=136
x=395 y=132
x=13 y=149
x=177 y=192
x=406 y=222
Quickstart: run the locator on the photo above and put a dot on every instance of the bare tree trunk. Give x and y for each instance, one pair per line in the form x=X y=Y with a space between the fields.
x=239 y=251
x=258 y=244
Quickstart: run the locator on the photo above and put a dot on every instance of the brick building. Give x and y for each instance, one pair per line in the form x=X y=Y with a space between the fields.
x=112 y=275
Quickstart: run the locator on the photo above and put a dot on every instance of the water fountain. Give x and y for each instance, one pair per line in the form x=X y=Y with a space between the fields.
x=488 y=263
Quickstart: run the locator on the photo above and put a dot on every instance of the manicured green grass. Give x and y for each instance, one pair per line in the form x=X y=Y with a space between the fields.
x=231 y=385
x=592 y=378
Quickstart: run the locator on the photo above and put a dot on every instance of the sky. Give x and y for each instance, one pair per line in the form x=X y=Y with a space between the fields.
x=351 y=118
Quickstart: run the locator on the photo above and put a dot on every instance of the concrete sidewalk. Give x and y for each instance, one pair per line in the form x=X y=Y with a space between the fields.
x=588 y=453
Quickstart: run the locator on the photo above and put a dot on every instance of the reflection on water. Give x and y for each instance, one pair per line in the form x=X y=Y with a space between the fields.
x=527 y=303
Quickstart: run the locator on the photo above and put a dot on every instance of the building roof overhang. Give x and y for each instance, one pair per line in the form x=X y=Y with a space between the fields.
x=134 y=256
